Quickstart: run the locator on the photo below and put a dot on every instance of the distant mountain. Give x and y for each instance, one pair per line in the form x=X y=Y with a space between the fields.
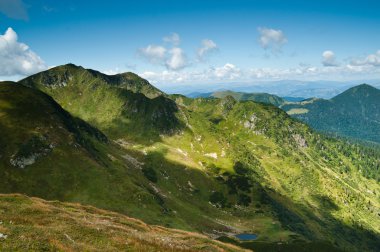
x=199 y=95
x=219 y=166
x=292 y=88
x=240 y=96
x=353 y=113
x=293 y=99
x=257 y=97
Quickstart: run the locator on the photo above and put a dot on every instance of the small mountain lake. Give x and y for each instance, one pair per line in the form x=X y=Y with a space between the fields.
x=246 y=237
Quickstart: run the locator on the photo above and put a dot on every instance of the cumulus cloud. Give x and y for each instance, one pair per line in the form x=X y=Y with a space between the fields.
x=207 y=47
x=177 y=59
x=17 y=58
x=225 y=72
x=174 y=39
x=153 y=53
x=329 y=59
x=271 y=39
x=14 y=9
x=370 y=60
x=173 y=59
x=228 y=71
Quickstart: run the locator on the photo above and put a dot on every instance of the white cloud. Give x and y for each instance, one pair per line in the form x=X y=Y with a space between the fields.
x=329 y=59
x=153 y=53
x=173 y=59
x=370 y=60
x=207 y=47
x=228 y=71
x=165 y=76
x=17 y=58
x=271 y=39
x=173 y=39
x=14 y=9
x=177 y=59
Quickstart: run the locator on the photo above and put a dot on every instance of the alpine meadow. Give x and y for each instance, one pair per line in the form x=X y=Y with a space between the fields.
x=131 y=130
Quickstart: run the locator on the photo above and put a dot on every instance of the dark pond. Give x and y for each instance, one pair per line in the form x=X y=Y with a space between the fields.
x=246 y=237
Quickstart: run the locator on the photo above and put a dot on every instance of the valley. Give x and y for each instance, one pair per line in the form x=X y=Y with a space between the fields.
x=218 y=166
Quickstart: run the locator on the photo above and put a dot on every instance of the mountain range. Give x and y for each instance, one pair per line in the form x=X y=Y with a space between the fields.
x=283 y=88
x=219 y=166
x=352 y=114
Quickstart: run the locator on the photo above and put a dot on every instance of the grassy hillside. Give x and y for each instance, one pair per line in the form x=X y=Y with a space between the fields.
x=354 y=113
x=116 y=104
x=221 y=167
x=257 y=97
x=46 y=152
x=33 y=224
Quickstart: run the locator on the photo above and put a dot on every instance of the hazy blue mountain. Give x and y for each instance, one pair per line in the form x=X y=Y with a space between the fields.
x=293 y=88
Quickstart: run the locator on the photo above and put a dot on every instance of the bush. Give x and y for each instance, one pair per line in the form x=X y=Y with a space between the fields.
x=244 y=200
x=240 y=169
x=218 y=199
x=150 y=174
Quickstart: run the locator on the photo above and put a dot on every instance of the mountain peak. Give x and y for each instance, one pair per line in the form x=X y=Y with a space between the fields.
x=365 y=86
x=362 y=87
x=360 y=91
x=74 y=76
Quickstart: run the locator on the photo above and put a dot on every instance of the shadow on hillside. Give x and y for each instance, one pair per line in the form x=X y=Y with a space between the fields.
x=191 y=203
x=319 y=226
x=144 y=120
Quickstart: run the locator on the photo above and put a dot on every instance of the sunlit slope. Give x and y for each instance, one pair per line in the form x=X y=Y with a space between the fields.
x=116 y=104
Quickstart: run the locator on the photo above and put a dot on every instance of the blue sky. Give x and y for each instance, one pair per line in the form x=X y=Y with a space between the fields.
x=194 y=41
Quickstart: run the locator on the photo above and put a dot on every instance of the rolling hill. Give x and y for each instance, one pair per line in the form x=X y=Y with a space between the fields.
x=216 y=166
x=242 y=96
x=257 y=97
x=354 y=113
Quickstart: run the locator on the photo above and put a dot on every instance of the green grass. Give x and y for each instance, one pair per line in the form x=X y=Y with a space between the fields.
x=299 y=183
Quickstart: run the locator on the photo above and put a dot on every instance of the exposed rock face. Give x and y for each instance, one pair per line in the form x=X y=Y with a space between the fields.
x=226 y=104
x=21 y=162
x=212 y=155
x=301 y=142
x=30 y=151
x=55 y=81
x=251 y=124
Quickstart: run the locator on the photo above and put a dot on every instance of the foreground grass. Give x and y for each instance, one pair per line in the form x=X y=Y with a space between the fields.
x=33 y=224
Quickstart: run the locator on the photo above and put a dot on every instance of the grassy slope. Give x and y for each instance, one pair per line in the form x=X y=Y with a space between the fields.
x=115 y=104
x=326 y=202
x=101 y=174
x=33 y=224
x=302 y=186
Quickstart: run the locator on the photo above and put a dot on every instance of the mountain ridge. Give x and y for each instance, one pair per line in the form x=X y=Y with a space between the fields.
x=232 y=167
